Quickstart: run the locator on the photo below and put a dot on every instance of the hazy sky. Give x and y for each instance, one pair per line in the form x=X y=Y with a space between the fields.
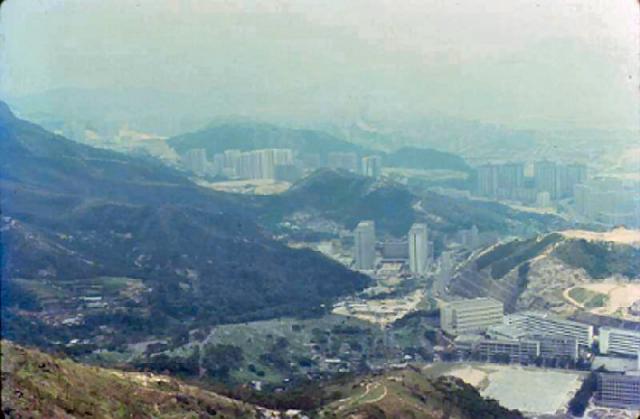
x=522 y=63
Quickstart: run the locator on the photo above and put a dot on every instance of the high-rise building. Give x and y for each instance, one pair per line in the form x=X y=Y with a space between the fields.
x=365 y=245
x=618 y=341
x=536 y=323
x=258 y=164
x=282 y=156
x=418 y=249
x=487 y=180
x=545 y=177
x=196 y=161
x=510 y=178
x=372 y=166
x=543 y=199
x=470 y=315
x=346 y=161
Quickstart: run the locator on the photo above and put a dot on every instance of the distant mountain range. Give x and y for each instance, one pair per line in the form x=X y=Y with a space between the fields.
x=71 y=212
x=347 y=198
x=247 y=135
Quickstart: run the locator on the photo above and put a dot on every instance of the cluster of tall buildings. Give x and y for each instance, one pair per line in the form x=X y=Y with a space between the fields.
x=550 y=181
x=271 y=163
x=417 y=248
x=610 y=201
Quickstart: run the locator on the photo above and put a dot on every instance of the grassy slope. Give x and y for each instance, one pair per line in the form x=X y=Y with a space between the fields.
x=35 y=384
x=408 y=393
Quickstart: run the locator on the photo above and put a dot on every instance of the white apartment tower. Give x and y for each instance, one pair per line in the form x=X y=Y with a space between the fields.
x=372 y=166
x=365 y=245
x=418 y=249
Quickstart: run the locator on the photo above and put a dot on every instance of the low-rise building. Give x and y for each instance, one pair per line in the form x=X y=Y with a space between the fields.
x=620 y=391
x=470 y=315
x=536 y=323
x=517 y=350
x=618 y=341
x=557 y=346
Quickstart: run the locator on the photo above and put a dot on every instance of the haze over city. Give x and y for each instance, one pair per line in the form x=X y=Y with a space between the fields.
x=298 y=209
x=524 y=64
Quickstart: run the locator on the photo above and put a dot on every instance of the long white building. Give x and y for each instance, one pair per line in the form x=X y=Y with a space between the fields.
x=536 y=323
x=365 y=245
x=471 y=315
x=418 y=249
x=618 y=341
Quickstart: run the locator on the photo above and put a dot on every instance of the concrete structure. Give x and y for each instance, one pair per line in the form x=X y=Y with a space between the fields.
x=365 y=245
x=543 y=199
x=487 y=180
x=372 y=166
x=504 y=331
x=544 y=174
x=557 y=346
x=196 y=161
x=395 y=249
x=471 y=315
x=536 y=323
x=418 y=249
x=620 y=391
x=517 y=350
x=618 y=341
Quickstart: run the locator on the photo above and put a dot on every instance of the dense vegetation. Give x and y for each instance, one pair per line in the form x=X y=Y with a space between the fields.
x=251 y=136
x=578 y=404
x=38 y=385
x=600 y=259
x=72 y=212
x=426 y=159
x=504 y=257
x=347 y=199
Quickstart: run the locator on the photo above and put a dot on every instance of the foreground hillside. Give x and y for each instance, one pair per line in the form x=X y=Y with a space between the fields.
x=538 y=273
x=407 y=393
x=111 y=246
x=35 y=384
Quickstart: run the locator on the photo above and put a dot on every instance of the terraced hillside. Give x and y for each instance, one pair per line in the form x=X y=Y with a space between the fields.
x=535 y=273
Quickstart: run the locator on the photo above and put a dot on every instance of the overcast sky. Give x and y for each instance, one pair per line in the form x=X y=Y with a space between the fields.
x=521 y=63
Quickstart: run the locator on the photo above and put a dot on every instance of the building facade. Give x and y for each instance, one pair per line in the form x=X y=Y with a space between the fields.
x=418 y=249
x=535 y=323
x=618 y=341
x=470 y=315
x=620 y=391
x=365 y=245
x=372 y=166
